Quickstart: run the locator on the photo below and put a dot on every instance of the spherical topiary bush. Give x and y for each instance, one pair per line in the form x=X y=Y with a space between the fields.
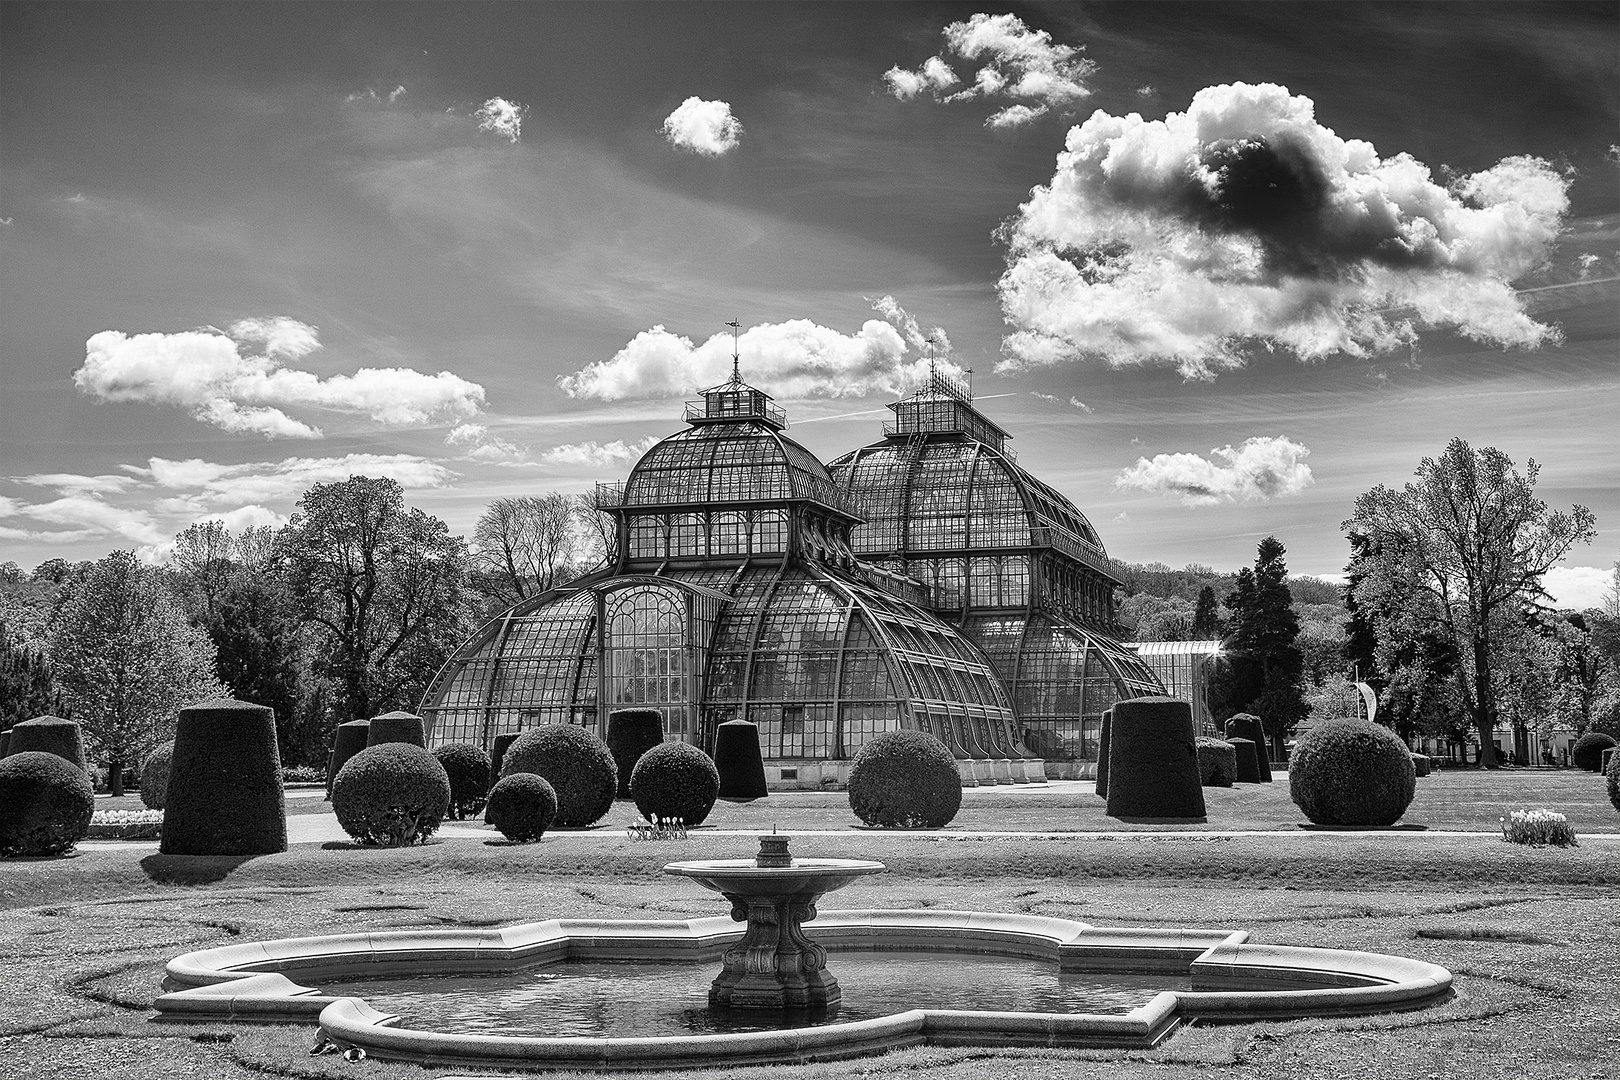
x=1350 y=772
x=45 y=804
x=905 y=780
x=51 y=735
x=497 y=753
x=1614 y=781
x=675 y=780
x=576 y=764
x=348 y=740
x=467 y=766
x=631 y=733
x=224 y=795
x=522 y=806
x=155 y=776
x=1153 y=762
x=739 y=761
x=391 y=795
x=396 y=727
x=1217 y=762
x=1248 y=726
x=1588 y=752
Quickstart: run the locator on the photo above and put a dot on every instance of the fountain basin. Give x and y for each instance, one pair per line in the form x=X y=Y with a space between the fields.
x=1232 y=980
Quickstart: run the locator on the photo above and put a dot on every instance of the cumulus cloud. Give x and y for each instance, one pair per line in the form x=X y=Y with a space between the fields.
x=1578 y=587
x=482 y=446
x=1264 y=467
x=1017 y=63
x=595 y=454
x=236 y=380
x=504 y=118
x=703 y=127
x=1243 y=219
x=793 y=359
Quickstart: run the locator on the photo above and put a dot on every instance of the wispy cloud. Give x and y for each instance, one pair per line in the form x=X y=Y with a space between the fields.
x=504 y=118
x=703 y=127
x=1017 y=63
x=236 y=379
x=1178 y=241
x=1264 y=467
x=797 y=358
x=271 y=481
x=595 y=454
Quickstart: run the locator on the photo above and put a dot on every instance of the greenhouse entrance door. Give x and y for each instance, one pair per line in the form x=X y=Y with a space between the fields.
x=649 y=655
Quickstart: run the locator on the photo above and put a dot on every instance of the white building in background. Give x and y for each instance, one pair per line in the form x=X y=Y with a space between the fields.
x=1185 y=668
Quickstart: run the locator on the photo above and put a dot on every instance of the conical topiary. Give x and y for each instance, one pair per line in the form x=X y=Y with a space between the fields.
x=224 y=795
x=396 y=727
x=348 y=740
x=738 y=758
x=5 y=742
x=497 y=753
x=631 y=733
x=1102 y=754
x=50 y=735
x=1248 y=726
x=1248 y=761
x=1153 y=762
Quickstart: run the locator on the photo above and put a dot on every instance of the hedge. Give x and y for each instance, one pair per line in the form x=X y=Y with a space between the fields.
x=392 y=795
x=50 y=735
x=1248 y=761
x=224 y=795
x=1249 y=726
x=155 y=776
x=905 y=780
x=467 y=767
x=46 y=803
x=1217 y=762
x=675 y=780
x=577 y=765
x=631 y=733
x=1153 y=762
x=738 y=759
x=1587 y=754
x=396 y=727
x=1613 y=776
x=1103 y=741
x=1351 y=772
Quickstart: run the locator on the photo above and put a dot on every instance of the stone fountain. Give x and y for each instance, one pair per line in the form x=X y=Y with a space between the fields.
x=774 y=966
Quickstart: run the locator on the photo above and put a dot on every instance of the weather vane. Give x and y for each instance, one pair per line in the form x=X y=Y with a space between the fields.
x=736 y=327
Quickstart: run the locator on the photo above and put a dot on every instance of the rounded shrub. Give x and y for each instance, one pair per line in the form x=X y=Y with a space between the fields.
x=1248 y=726
x=467 y=766
x=497 y=753
x=522 y=806
x=1613 y=776
x=1153 y=762
x=45 y=804
x=1351 y=772
x=738 y=760
x=675 y=780
x=905 y=780
x=155 y=776
x=631 y=733
x=396 y=726
x=1587 y=754
x=348 y=740
x=224 y=795
x=392 y=794
x=1420 y=764
x=576 y=764
x=1217 y=762
x=50 y=735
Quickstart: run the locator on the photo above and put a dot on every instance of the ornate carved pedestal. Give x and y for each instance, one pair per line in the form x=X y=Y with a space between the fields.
x=774 y=966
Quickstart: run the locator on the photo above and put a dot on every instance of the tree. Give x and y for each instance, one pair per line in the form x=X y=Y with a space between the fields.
x=601 y=533
x=254 y=627
x=1459 y=554
x=1263 y=669
x=203 y=558
x=523 y=546
x=26 y=687
x=1156 y=618
x=383 y=586
x=1206 y=616
x=125 y=659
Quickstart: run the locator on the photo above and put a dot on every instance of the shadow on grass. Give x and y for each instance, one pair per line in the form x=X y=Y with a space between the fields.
x=191 y=869
x=1362 y=828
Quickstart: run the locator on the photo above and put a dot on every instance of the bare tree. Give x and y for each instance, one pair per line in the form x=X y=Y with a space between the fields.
x=524 y=546
x=599 y=529
x=1460 y=554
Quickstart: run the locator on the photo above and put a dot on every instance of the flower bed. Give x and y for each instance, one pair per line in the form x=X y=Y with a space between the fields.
x=125 y=825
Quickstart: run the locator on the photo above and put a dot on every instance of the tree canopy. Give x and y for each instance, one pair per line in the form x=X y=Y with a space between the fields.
x=1263 y=668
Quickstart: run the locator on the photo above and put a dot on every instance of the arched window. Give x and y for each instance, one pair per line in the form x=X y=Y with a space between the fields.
x=686 y=535
x=770 y=532
x=646 y=652
x=727 y=534
x=647 y=537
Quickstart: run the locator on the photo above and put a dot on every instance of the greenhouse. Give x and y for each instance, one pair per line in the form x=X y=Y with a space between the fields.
x=736 y=594
x=1006 y=558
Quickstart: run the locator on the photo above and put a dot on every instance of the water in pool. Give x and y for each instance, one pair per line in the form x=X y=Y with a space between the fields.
x=623 y=999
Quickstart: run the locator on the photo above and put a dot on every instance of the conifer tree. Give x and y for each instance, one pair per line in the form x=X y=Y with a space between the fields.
x=1263 y=669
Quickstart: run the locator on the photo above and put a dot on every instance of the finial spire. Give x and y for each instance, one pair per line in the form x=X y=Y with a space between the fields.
x=736 y=360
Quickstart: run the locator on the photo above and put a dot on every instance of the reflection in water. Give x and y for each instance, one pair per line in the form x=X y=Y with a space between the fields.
x=625 y=999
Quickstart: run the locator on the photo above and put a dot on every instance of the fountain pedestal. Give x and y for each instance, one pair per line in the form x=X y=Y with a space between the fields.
x=774 y=966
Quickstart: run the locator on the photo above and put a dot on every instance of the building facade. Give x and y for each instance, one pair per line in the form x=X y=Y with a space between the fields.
x=746 y=585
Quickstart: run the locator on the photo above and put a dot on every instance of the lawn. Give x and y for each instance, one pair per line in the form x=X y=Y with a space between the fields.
x=1532 y=935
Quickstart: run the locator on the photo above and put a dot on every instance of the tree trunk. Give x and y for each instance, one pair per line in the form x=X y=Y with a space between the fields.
x=1484 y=722
x=115 y=777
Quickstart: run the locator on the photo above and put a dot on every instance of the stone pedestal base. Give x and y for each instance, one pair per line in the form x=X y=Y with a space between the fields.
x=774 y=966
